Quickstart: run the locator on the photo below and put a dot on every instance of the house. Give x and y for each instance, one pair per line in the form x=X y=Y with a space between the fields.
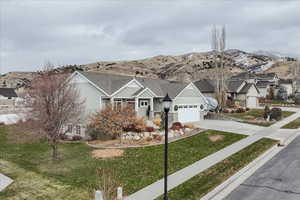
x=8 y=97
x=263 y=81
x=242 y=93
x=143 y=94
x=287 y=84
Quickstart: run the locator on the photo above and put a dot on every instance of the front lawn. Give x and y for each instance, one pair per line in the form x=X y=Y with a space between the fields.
x=76 y=170
x=248 y=116
x=293 y=125
x=198 y=186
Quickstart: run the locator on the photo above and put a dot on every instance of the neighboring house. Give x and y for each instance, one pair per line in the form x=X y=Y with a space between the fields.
x=143 y=94
x=263 y=81
x=242 y=93
x=8 y=97
x=287 y=84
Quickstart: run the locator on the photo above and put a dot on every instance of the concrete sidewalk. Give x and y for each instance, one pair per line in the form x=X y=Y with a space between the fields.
x=4 y=182
x=156 y=189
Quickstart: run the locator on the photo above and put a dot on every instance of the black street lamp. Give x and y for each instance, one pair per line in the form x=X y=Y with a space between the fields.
x=167 y=104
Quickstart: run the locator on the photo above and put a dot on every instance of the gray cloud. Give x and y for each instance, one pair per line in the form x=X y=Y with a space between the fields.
x=69 y=32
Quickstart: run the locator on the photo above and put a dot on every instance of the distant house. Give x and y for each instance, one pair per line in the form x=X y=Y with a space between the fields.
x=263 y=81
x=287 y=84
x=7 y=96
x=143 y=94
x=242 y=93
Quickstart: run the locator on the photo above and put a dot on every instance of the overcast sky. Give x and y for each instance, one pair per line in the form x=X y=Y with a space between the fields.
x=79 y=32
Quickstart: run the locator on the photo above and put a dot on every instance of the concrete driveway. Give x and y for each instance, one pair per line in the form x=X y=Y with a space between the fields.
x=229 y=126
x=278 y=179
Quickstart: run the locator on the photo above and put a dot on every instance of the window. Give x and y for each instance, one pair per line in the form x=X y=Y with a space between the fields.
x=78 y=130
x=131 y=103
x=201 y=107
x=70 y=128
x=144 y=103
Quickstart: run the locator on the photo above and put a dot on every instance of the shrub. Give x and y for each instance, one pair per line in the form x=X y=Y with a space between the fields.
x=2 y=124
x=64 y=137
x=240 y=110
x=149 y=129
x=247 y=109
x=113 y=122
x=176 y=126
x=157 y=122
x=276 y=114
x=266 y=112
x=76 y=138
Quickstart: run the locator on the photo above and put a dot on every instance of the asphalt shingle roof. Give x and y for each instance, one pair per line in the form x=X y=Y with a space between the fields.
x=205 y=85
x=110 y=83
x=8 y=92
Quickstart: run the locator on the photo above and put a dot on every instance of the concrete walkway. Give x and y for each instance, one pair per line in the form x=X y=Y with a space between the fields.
x=4 y=182
x=156 y=189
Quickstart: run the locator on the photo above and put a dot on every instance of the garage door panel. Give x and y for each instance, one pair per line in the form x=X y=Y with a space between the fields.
x=188 y=114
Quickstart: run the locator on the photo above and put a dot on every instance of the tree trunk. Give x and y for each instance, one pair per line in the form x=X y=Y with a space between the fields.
x=54 y=152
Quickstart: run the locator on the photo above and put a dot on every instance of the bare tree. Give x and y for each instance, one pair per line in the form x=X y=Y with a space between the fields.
x=218 y=47
x=54 y=102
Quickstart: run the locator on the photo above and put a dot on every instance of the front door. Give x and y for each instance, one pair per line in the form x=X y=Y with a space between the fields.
x=144 y=108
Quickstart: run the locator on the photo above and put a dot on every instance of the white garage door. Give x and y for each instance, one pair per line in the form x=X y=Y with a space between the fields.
x=251 y=102
x=188 y=113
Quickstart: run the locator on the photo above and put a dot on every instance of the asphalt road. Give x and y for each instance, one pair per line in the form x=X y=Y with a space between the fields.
x=278 y=179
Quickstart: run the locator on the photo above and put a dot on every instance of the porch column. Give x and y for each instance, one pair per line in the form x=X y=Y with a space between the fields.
x=136 y=105
x=151 y=108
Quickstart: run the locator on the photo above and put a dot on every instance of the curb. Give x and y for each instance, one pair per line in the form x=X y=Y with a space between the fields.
x=238 y=178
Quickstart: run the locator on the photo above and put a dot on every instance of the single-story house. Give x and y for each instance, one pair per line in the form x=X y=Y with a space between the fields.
x=145 y=95
x=7 y=96
x=242 y=93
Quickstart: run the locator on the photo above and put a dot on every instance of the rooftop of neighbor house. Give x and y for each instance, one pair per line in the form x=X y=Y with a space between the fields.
x=8 y=92
x=285 y=81
x=111 y=83
x=247 y=75
x=208 y=86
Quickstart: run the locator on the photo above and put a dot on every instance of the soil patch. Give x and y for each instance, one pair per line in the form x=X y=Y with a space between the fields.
x=216 y=138
x=107 y=153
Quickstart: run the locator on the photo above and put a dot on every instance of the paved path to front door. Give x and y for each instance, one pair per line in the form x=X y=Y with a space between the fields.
x=4 y=182
x=156 y=189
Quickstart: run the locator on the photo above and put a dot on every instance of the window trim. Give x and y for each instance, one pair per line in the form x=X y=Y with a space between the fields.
x=143 y=102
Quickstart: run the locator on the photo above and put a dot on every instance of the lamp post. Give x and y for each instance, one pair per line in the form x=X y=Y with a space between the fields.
x=167 y=104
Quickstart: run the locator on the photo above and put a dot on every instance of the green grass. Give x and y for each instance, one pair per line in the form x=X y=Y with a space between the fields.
x=293 y=125
x=256 y=113
x=201 y=184
x=137 y=168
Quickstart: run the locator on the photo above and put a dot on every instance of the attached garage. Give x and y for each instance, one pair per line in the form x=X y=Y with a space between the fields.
x=188 y=113
x=252 y=102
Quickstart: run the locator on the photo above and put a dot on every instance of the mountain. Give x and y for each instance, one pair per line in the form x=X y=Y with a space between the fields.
x=276 y=55
x=187 y=67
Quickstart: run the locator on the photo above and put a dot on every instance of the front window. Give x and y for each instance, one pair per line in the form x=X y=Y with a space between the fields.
x=144 y=103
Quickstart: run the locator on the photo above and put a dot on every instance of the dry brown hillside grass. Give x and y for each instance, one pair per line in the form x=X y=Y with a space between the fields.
x=282 y=69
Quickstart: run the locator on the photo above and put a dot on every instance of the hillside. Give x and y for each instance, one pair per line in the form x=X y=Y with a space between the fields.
x=187 y=67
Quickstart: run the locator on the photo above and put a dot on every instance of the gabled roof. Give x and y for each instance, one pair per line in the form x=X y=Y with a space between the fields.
x=205 y=85
x=264 y=84
x=8 y=92
x=234 y=85
x=111 y=83
x=247 y=87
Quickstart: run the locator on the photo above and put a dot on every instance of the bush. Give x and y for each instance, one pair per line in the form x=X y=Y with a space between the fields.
x=176 y=126
x=112 y=122
x=149 y=129
x=64 y=137
x=76 y=138
x=276 y=114
x=247 y=109
x=267 y=112
x=240 y=110
x=2 y=124
x=157 y=122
